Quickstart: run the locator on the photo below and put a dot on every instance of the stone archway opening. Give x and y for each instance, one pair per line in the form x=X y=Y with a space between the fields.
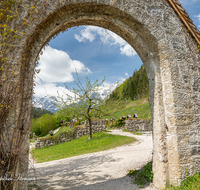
x=137 y=36
x=154 y=31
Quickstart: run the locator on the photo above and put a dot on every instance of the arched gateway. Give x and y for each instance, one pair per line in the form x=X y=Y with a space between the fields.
x=159 y=34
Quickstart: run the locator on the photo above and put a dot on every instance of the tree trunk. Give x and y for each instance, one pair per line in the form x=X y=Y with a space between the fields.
x=90 y=129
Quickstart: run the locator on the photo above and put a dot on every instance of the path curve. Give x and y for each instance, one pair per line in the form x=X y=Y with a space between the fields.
x=104 y=170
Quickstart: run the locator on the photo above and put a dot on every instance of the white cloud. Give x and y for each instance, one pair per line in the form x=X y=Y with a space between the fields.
x=127 y=50
x=107 y=37
x=126 y=74
x=51 y=90
x=87 y=34
x=198 y=16
x=121 y=79
x=57 y=66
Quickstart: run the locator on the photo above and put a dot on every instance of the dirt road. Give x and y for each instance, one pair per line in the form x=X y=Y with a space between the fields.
x=105 y=170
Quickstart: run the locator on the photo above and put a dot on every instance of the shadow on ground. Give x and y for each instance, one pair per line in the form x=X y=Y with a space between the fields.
x=79 y=173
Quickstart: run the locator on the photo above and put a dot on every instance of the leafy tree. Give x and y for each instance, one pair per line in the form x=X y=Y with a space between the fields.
x=84 y=101
x=38 y=112
x=42 y=125
x=63 y=114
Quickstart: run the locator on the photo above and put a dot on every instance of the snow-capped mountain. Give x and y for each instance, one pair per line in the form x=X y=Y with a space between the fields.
x=104 y=91
x=45 y=102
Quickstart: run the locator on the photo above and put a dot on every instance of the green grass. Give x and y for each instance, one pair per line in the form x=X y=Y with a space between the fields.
x=142 y=176
x=63 y=129
x=191 y=183
x=31 y=141
x=145 y=176
x=143 y=111
x=141 y=107
x=99 y=142
x=108 y=130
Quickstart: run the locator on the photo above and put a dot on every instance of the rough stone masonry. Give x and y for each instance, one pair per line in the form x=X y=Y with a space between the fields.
x=169 y=54
x=142 y=125
x=97 y=126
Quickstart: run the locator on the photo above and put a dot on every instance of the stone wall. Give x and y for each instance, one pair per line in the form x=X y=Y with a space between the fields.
x=97 y=126
x=138 y=124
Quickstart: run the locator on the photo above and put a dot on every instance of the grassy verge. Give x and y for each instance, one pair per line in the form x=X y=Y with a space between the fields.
x=191 y=183
x=108 y=130
x=144 y=176
x=136 y=132
x=99 y=142
x=63 y=129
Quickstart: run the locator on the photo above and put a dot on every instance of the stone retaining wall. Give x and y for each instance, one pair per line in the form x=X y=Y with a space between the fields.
x=97 y=126
x=138 y=124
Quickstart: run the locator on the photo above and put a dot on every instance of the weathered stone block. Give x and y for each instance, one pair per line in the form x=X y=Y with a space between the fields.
x=184 y=155
x=63 y=140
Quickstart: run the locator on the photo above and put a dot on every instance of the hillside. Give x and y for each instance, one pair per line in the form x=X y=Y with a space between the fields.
x=130 y=107
x=132 y=96
x=133 y=88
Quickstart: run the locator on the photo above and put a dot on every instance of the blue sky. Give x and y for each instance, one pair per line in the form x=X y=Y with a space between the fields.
x=95 y=53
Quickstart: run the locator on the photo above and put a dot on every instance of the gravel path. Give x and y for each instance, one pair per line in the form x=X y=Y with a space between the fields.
x=105 y=170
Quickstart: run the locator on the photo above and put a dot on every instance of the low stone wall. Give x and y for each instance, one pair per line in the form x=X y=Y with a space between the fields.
x=138 y=124
x=97 y=126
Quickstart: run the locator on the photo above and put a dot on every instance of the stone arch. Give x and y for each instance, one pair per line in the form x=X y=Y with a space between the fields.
x=154 y=30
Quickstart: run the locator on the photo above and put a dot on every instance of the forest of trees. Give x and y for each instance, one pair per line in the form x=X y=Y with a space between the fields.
x=38 y=112
x=133 y=88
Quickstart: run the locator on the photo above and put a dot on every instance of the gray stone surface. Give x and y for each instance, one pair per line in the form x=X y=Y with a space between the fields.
x=141 y=125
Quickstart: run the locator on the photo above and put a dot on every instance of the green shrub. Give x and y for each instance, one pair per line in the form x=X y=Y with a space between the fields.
x=142 y=176
x=41 y=126
x=112 y=126
x=77 y=123
x=63 y=114
x=119 y=123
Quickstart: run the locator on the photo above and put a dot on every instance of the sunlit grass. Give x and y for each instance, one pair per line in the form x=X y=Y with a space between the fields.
x=63 y=129
x=99 y=142
x=191 y=183
x=143 y=111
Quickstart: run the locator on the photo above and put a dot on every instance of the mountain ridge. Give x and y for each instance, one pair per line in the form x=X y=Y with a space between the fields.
x=46 y=102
